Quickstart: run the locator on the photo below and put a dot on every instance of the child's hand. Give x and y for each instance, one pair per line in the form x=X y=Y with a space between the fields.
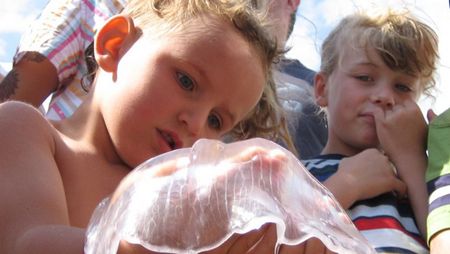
x=310 y=246
x=265 y=165
x=261 y=241
x=363 y=176
x=402 y=131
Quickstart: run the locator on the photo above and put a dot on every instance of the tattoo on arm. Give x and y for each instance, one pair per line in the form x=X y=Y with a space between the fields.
x=9 y=85
x=33 y=57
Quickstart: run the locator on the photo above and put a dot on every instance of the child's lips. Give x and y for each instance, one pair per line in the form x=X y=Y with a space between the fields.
x=170 y=140
x=368 y=117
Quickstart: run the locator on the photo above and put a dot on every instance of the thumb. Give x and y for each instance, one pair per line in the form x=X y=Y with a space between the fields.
x=430 y=115
x=400 y=188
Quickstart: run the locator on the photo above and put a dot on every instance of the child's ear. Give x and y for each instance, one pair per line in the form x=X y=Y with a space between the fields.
x=115 y=34
x=321 y=89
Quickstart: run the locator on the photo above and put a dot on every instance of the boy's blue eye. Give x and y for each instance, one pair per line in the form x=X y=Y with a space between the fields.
x=185 y=81
x=214 y=122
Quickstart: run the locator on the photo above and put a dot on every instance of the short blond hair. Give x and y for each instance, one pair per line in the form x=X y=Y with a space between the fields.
x=403 y=42
x=162 y=16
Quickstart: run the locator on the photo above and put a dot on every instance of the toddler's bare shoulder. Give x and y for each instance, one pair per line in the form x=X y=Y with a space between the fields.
x=19 y=119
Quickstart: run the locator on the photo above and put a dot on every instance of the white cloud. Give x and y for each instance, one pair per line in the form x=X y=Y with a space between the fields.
x=16 y=15
x=3 y=68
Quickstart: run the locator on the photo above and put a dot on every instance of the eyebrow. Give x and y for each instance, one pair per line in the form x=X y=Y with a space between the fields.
x=366 y=62
x=199 y=70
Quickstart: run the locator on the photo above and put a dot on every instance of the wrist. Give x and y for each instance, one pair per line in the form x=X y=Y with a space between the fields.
x=339 y=184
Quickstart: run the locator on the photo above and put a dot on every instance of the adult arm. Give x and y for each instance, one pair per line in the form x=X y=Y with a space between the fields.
x=30 y=80
x=51 y=51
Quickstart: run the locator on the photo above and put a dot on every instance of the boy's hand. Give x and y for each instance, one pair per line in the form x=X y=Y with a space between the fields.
x=402 y=131
x=369 y=173
x=430 y=115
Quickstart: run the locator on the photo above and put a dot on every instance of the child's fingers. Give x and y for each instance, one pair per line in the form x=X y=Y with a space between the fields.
x=378 y=114
x=158 y=170
x=249 y=153
x=257 y=159
x=169 y=167
x=400 y=187
x=266 y=244
x=430 y=115
x=292 y=249
x=242 y=243
x=314 y=245
x=264 y=159
x=128 y=248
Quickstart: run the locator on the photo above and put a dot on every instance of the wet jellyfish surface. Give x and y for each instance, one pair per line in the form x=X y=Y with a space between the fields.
x=192 y=200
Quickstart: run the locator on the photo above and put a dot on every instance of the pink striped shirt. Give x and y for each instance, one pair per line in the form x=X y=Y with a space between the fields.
x=62 y=32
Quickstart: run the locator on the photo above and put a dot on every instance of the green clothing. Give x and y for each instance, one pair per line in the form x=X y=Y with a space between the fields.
x=438 y=174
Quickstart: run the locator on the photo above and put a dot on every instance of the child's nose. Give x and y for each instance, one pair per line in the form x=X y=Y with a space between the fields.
x=194 y=122
x=384 y=97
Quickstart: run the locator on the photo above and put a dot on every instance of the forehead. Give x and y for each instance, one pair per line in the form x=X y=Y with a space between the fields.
x=218 y=32
x=351 y=55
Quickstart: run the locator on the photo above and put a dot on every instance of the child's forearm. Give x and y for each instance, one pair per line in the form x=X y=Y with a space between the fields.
x=339 y=187
x=418 y=198
x=412 y=172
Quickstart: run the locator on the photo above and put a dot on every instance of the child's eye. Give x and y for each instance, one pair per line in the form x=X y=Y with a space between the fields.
x=364 y=78
x=214 y=122
x=185 y=81
x=403 y=88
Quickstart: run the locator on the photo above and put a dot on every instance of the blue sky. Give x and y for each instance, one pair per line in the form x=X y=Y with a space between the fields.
x=315 y=18
x=15 y=16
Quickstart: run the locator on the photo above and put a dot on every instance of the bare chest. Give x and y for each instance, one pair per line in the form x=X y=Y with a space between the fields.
x=87 y=180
